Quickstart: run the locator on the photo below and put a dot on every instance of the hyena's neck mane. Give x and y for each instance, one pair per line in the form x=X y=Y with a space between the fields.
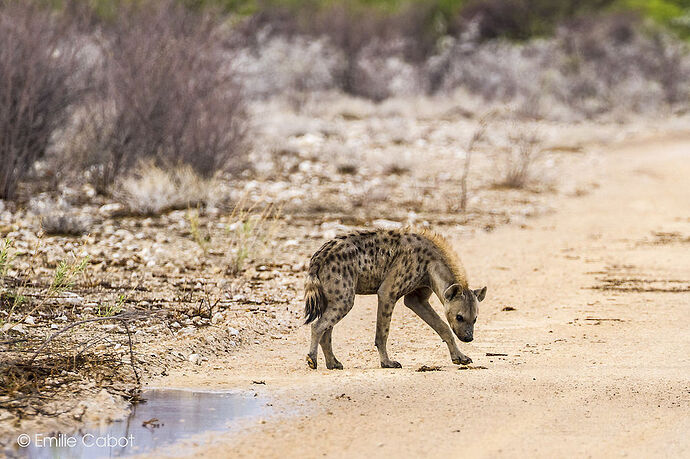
x=447 y=254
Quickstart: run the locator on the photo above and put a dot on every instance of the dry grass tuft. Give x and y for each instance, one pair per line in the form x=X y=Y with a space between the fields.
x=251 y=232
x=517 y=163
x=153 y=190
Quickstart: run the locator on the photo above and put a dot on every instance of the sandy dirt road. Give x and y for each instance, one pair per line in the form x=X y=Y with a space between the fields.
x=597 y=349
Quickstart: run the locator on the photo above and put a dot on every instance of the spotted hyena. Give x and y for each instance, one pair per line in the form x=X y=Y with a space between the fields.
x=391 y=264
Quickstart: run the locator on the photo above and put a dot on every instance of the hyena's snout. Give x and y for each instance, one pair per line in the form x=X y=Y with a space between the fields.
x=464 y=334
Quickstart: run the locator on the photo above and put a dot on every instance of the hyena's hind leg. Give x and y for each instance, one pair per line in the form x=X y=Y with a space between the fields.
x=337 y=309
x=327 y=347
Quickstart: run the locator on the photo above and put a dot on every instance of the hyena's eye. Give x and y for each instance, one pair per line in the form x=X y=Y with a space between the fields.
x=475 y=320
x=459 y=318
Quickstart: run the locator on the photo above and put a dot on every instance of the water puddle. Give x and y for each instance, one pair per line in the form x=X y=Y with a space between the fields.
x=167 y=417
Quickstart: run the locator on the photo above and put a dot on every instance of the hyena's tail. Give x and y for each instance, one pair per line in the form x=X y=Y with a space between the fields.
x=314 y=299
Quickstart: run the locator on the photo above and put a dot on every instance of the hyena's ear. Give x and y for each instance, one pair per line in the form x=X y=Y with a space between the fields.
x=452 y=291
x=480 y=293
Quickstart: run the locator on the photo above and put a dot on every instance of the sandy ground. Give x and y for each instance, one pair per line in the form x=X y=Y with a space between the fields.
x=597 y=349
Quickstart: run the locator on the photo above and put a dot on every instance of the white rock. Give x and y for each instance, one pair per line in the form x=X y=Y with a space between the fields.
x=233 y=331
x=217 y=317
x=72 y=299
x=387 y=224
x=30 y=320
x=124 y=234
x=109 y=209
x=195 y=359
x=18 y=327
x=188 y=330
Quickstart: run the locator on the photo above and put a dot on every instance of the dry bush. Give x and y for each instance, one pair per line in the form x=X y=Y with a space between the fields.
x=287 y=65
x=58 y=217
x=66 y=224
x=151 y=190
x=380 y=71
x=38 y=85
x=169 y=96
x=523 y=19
x=592 y=66
x=618 y=63
x=516 y=164
x=361 y=49
x=586 y=64
x=381 y=50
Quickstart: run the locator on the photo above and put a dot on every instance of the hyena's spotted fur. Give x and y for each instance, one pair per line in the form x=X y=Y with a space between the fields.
x=392 y=264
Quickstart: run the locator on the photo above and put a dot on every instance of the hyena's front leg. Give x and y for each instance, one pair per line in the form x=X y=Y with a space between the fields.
x=418 y=302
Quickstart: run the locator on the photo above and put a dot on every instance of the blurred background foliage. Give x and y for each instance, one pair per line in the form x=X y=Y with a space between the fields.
x=154 y=79
x=513 y=19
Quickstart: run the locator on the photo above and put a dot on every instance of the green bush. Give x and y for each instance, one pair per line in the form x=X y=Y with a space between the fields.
x=674 y=14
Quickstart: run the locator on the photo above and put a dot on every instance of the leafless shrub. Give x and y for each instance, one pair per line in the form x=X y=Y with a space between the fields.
x=616 y=62
x=169 y=96
x=367 y=51
x=67 y=224
x=591 y=67
x=499 y=18
x=516 y=163
x=477 y=137
x=380 y=71
x=151 y=190
x=396 y=168
x=347 y=168
x=39 y=373
x=287 y=65
x=57 y=217
x=383 y=52
x=38 y=69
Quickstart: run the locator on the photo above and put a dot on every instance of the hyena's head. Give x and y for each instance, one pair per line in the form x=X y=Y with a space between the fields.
x=461 y=305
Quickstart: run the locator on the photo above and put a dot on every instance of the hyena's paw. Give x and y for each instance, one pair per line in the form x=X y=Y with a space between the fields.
x=311 y=362
x=462 y=360
x=390 y=364
x=334 y=366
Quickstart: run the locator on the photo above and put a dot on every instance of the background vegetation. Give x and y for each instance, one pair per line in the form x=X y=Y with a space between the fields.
x=98 y=86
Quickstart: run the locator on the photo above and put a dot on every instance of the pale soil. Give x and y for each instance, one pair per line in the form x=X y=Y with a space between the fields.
x=570 y=385
x=333 y=168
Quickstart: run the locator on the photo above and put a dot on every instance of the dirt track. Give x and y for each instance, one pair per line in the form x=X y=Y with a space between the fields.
x=598 y=346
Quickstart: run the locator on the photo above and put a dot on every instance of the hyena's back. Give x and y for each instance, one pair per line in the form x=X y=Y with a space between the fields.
x=358 y=263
